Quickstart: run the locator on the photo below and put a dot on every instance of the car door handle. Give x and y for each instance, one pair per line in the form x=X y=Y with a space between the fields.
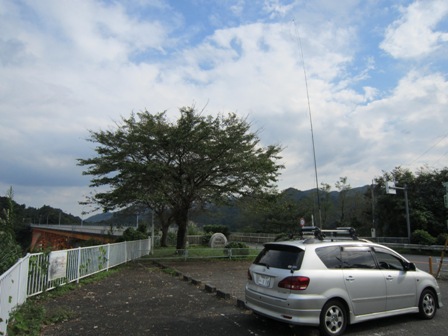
x=389 y=278
x=350 y=278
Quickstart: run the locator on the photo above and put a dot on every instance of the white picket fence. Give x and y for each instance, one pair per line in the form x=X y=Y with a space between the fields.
x=39 y=272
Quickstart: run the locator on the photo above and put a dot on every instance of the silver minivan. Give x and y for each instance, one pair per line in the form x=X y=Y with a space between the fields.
x=331 y=283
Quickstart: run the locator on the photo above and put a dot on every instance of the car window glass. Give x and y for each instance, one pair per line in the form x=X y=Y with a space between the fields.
x=357 y=258
x=278 y=256
x=330 y=256
x=387 y=260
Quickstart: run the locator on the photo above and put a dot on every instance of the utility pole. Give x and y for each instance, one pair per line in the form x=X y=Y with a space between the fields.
x=391 y=188
x=445 y=198
x=373 y=230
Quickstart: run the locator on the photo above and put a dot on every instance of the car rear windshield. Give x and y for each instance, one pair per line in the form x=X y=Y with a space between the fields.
x=280 y=256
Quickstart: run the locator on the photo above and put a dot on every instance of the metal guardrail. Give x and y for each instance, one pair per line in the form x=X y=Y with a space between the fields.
x=393 y=242
x=39 y=272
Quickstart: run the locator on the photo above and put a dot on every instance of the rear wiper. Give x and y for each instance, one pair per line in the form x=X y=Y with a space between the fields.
x=263 y=264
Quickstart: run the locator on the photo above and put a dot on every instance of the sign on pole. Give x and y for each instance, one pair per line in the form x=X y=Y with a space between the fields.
x=390 y=188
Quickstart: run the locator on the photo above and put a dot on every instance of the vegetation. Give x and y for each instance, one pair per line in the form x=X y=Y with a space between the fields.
x=210 y=229
x=423 y=238
x=425 y=193
x=11 y=250
x=174 y=168
x=133 y=234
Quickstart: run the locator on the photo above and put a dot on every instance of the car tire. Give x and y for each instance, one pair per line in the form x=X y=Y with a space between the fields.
x=333 y=318
x=427 y=305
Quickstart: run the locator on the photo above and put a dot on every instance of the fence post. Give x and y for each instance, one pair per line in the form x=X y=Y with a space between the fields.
x=108 y=257
x=20 y=284
x=78 y=272
x=125 y=251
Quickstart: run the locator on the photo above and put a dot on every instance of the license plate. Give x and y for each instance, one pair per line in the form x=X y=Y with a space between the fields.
x=263 y=280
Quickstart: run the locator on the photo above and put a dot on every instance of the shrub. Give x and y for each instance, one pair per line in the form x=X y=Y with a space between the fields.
x=422 y=237
x=171 y=238
x=238 y=249
x=217 y=228
x=236 y=245
x=193 y=230
x=441 y=238
x=205 y=239
x=11 y=251
x=133 y=234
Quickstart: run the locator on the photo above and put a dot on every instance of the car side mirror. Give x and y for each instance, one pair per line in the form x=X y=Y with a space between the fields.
x=409 y=266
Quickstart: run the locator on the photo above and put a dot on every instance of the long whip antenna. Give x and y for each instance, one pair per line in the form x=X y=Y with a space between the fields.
x=311 y=122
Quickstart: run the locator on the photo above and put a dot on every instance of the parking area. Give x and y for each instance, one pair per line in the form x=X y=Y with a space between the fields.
x=142 y=299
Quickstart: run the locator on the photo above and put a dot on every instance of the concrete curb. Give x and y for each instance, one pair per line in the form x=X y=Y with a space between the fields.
x=206 y=287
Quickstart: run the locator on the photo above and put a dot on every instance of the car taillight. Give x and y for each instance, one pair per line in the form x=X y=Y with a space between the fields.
x=295 y=283
x=249 y=276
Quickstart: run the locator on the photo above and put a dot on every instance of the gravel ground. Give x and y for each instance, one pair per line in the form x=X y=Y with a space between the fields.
x=141 y=299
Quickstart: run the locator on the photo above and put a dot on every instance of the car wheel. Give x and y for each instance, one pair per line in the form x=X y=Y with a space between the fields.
x=427 y=305
x=333 y=319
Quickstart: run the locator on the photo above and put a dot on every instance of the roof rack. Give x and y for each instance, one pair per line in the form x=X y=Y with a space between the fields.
x=340 y=232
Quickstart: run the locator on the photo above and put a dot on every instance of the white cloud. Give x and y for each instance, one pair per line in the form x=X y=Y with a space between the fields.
x=414 y=34
x=68 y=67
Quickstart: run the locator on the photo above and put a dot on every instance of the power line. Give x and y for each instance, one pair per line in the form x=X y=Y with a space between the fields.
x=428 y=150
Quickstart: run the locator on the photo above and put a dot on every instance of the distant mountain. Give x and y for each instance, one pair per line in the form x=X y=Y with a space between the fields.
x=102 y=217
x=228 y=215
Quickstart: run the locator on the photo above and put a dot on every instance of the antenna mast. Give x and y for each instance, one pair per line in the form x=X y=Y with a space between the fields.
x=311 y=123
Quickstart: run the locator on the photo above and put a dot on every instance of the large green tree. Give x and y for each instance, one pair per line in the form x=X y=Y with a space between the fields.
x=425 y=193
x=147 y=159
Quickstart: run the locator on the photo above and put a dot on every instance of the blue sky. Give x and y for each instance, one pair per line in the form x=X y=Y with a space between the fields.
x=377 y=76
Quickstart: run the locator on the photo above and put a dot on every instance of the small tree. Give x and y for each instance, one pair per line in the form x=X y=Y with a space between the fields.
x=11 y=251
x=148 y=159
x=343 y=188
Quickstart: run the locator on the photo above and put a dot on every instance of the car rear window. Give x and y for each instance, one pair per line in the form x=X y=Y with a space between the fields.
x=280 y=256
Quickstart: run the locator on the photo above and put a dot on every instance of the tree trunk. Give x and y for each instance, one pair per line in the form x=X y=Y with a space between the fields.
x=165 y=220
x=181 y=217
x=163 y=239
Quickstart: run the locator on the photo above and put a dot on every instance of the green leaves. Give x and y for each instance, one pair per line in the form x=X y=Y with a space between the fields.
x=179 y=165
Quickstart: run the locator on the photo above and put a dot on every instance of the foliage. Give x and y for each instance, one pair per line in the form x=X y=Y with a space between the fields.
x=11 y=251
x=90 y=242
x=132 y=234
x=171 y=239
x=193 y=229
x=441 y=239
x=343 y=188
x=26 y=320
x=181 y=166
x=275 y=212
x=236 y=245
x=425 y=194
x=237 y=249
x=217 y=228
x=205 y=239
x=422 y=237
